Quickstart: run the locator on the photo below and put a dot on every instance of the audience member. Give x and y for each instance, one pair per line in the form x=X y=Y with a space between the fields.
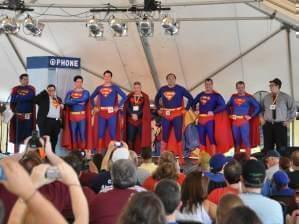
x=143 y=208
x=216 y=177
x=281 y=188
x=285 y=163
x=142 y=174
x=169 y=193
x=294 y=174
x=195 y=207
x=227 y=203
x=114 y=153
x=232 y=175
x=147 y=163
x=242 y=214
x=107 y=205
x=165 y=170
x=253 y=176
x=272 y=163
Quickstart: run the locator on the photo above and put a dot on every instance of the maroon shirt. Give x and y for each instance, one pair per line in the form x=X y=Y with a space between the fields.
x=57 y=193
x=107 y=206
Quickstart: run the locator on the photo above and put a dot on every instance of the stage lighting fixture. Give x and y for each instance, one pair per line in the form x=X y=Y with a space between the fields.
x=119 y=28
x=170 y=25
x=9 y=25
x=145 y=27
x=34 y=27
x=96 y=29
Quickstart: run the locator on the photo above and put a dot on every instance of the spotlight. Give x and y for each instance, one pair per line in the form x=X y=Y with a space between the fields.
x=145 y=27
x=170 y=25
x=35 y=28
x=120 y=29
x=9 y=25
x=96 y=29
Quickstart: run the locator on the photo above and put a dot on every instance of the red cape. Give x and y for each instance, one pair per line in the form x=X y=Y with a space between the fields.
x=223 y=133
x=66 y=140
x=145 y=141
x=254 y=124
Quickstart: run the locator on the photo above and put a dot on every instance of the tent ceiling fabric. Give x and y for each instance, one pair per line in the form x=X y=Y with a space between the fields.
x=197 y=51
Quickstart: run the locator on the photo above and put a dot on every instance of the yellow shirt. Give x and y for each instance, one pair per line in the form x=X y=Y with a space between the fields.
x=150 y=167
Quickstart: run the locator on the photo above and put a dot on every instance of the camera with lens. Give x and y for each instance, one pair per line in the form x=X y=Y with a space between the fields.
x=34 y=142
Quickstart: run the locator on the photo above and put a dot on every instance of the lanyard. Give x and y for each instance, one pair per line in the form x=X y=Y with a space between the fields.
x=274 y=101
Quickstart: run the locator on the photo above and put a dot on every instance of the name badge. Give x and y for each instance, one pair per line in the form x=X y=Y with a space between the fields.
x=135 y=108
x=110 y=110
x=27 y=116
x=272 y=107
x=167 y=112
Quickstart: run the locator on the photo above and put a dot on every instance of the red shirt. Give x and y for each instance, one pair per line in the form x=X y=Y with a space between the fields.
x=150 y=182
x=107 y=206
x=218 y=193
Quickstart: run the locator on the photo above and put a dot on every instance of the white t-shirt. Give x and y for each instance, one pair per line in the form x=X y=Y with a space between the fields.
x=54 y=108
x=200 y=215
x=268 y=210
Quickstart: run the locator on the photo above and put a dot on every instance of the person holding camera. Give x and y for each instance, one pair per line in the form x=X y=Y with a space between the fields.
x=49 y=113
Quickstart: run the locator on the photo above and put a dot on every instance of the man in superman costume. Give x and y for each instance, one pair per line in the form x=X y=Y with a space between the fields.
x=21 y=103
x=243 y=110
x=137 y=120
x=106 y=112
x=77 y=120
x=172 y=112
x=213 y=122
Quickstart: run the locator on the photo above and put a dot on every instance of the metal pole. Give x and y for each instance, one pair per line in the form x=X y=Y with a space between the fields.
x=199 y=19
x=290 y=66
x=173 y=4
x=150 y=61
x=55 y=54
x=223 y=67
x=274 y=16
x=16 y=51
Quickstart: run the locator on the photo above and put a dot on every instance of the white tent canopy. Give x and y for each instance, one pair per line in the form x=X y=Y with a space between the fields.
x=228 y=42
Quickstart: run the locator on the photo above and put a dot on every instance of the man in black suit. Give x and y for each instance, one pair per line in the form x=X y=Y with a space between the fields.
x=49 y=113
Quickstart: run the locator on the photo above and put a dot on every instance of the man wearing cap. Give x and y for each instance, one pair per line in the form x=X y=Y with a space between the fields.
x=281 y=181
x=268 y=210
x=278 y=110
x=216 y=177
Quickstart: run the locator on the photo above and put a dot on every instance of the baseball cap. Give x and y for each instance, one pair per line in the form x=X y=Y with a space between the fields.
x=276 y=81
x=217 y=162
x=280 y=178
x=253 y=173
x=120 y=153
x=272 y=153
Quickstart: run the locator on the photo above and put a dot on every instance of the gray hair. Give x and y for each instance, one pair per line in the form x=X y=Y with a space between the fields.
x=123 y=173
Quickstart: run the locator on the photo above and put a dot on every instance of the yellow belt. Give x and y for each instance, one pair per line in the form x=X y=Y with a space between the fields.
x=78 y=113
x=172 y=109
x=205 y=115
x=236 y=117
